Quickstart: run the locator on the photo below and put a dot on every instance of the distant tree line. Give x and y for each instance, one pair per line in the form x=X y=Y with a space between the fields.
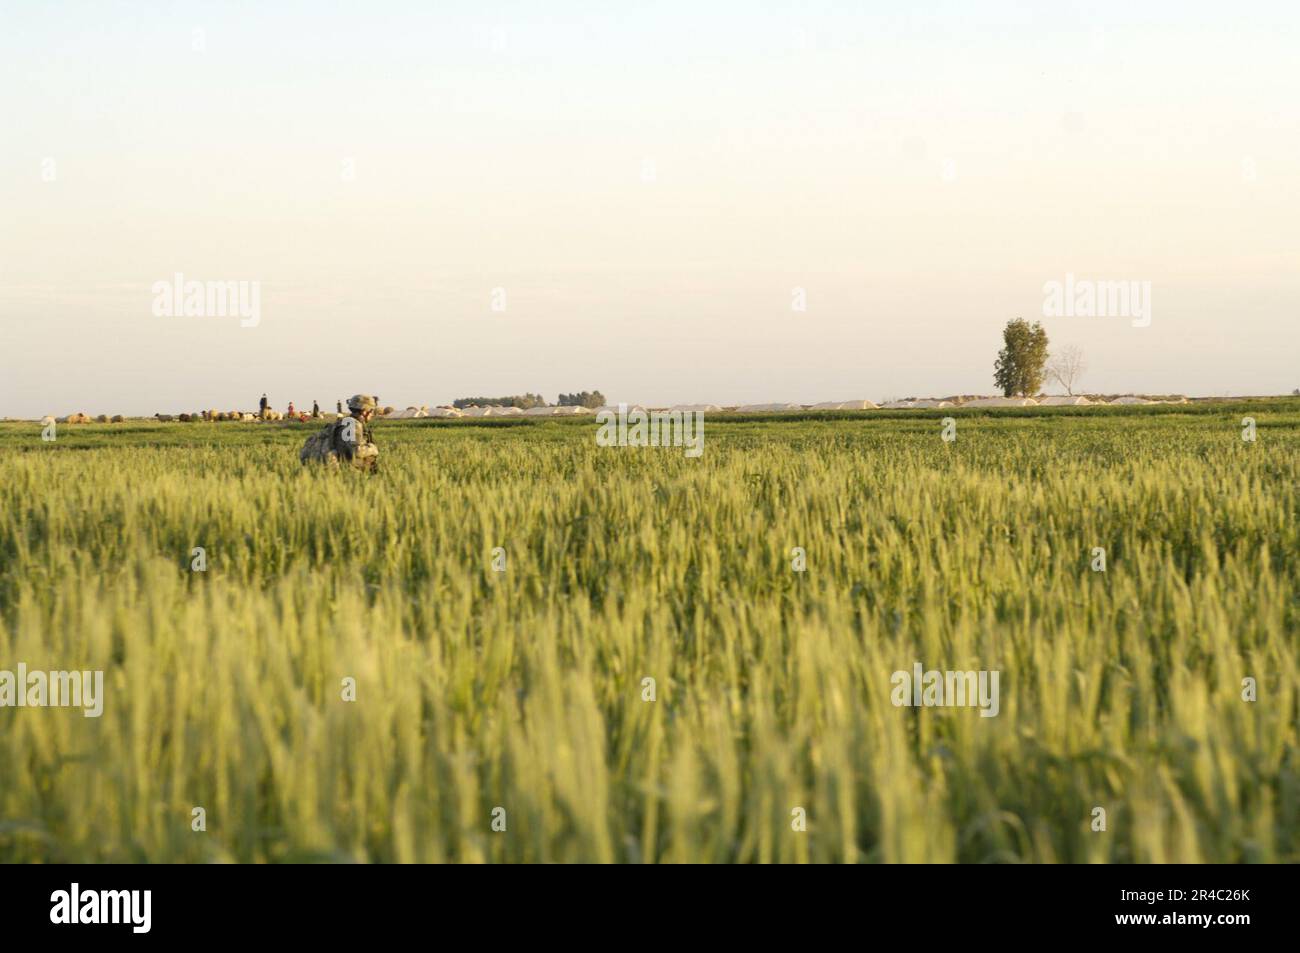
x=522 y=401
x=592 y=399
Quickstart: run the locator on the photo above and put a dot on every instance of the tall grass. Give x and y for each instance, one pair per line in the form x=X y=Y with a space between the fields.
x=523 y=689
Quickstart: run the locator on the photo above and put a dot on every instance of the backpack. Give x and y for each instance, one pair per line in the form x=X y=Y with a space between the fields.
x=319 y=447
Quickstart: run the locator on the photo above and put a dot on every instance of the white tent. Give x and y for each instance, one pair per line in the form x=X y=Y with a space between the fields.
x=931 y=403
x=1058 y=400
x=1129 y=399
x=845 y=405
x=768 y=408
x=500 y=411
x=1001 y=402
x=569 y=411
x=408 y=414
x=445 y=412
x=614 y=410
x=700 y=408
x=897 y=404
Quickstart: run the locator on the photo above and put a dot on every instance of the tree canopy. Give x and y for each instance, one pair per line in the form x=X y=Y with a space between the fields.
x=1019 y=367
x=522 y=401
x=592 y=399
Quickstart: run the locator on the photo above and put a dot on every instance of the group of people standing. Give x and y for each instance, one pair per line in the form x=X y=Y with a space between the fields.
x=264 y=405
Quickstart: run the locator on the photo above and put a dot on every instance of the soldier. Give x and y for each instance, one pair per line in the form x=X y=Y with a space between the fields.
x=346 y=440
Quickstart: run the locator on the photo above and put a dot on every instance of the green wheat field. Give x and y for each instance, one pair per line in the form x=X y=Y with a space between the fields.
x=524 y=689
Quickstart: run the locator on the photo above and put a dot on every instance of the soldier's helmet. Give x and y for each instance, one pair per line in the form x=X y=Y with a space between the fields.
x=360 y=402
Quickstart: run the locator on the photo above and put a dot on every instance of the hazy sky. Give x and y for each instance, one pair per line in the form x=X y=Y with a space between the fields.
x=648 y=185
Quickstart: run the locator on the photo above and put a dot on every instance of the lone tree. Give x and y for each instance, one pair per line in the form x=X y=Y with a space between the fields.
x=1066 y=367
x=1019 y=368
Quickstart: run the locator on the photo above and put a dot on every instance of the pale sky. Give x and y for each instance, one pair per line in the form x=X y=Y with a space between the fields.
x=648 y=185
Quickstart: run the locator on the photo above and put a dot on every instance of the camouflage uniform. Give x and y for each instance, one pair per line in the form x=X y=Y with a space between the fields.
x=345 y=440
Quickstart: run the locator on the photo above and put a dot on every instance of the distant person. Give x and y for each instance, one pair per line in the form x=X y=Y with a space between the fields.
x=315 y=410
x=339 y=407
x=263 y=406
x=291 y=408
x=346 y=440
